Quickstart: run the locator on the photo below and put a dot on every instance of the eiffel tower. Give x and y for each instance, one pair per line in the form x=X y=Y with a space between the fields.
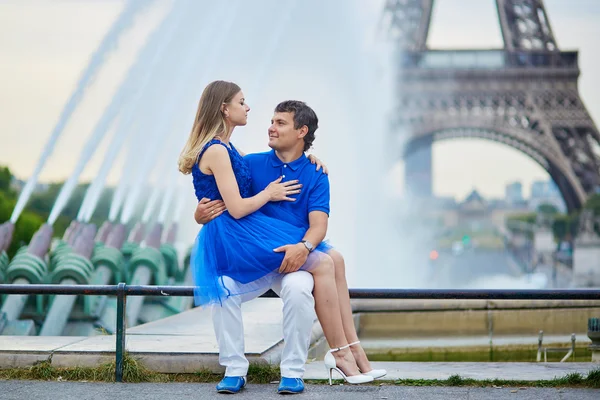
x=523 y=95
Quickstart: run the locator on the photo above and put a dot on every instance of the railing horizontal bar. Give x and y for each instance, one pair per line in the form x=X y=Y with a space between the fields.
x=472 y=294
x=59 y=289
x=478 y=294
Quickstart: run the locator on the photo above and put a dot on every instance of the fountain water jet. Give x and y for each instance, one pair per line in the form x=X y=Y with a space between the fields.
x=122 y=132
x=166 y=204
x=108 y=44
x=130 y=85
x=6 y=232
x=28 y=266
x=142 y=142
x=103 y=232
x=153 y=137
x=146 y=263
x=75 y=268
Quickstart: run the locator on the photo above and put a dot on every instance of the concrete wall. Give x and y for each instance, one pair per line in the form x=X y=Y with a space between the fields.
x=416 y=318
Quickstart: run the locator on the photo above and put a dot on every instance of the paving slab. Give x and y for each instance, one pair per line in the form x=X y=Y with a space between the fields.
x=474 y=370
x=37 y=343
x=23 y=351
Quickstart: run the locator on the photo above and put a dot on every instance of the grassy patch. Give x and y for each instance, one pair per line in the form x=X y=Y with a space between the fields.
x=134 y=372
x=592 y=380
x=263 y=373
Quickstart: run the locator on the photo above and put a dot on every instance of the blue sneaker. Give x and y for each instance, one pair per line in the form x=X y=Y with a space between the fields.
x=231 y=384
x=290 y=385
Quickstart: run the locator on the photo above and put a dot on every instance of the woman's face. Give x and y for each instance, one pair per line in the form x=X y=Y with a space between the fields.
x=236 y=111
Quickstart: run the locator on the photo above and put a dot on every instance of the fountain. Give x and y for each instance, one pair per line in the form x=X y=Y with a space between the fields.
x=151 y=113
x=27 y=267
x=74 y=268
x=108 y=44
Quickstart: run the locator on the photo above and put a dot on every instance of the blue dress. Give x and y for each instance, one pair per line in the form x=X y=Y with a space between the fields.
x=241 y=249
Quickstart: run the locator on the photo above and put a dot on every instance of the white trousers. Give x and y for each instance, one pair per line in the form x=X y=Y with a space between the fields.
x=295 y=289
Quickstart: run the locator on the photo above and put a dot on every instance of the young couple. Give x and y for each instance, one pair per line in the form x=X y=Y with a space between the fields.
x=265 y=216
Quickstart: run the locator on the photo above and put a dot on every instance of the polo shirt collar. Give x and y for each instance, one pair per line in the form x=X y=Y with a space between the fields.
x=294 y=165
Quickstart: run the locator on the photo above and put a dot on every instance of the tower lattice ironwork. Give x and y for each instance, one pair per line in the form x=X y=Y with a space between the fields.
x=524 y=95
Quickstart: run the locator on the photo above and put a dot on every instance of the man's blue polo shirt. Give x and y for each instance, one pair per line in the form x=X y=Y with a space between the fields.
x=314 y=195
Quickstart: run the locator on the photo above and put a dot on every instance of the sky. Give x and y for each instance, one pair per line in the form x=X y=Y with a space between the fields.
x=45 y=44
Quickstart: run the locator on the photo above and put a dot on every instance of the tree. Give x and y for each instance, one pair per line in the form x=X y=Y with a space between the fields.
x=27 y=224
x=5 y=182
x=561 y=226
x=522 y=223
x=547 y=209
x=40 y=205
x=593 y=203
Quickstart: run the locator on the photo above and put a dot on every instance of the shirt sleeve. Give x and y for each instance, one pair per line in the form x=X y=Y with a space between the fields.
x=318 y=199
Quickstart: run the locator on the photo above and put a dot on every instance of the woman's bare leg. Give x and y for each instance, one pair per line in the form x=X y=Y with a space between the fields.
x=346 y=311
x=327 y=307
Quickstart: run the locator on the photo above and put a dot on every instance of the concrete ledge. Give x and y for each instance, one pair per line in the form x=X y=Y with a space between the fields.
x=399 y=305
x=21 y=360
x=436 y=323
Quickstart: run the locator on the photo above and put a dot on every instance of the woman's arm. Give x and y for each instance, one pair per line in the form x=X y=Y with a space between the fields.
x=216 y=159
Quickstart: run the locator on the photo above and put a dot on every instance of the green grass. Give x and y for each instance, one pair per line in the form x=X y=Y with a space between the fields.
x=134 y=372
x=592 y=380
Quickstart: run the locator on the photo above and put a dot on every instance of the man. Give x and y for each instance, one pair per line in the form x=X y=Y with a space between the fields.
x=291 y=133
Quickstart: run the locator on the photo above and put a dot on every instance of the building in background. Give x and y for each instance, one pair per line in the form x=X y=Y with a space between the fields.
x=546 y=192
x=513 y=193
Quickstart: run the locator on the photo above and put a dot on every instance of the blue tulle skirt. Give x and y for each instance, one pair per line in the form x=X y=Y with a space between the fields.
x=242 y=249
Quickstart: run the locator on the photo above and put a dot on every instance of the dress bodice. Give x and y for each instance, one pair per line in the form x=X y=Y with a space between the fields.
x=206 y=185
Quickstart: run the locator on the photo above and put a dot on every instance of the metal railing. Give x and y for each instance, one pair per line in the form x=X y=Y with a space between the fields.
x=122 y=290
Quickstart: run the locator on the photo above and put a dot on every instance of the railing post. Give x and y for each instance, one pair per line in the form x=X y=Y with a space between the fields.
x=120 y=347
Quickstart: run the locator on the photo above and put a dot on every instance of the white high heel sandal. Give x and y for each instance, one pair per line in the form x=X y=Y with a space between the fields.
x=331 y=365
x=375 y=373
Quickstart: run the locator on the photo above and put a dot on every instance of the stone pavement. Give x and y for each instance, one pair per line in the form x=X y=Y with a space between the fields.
x=471 y=370
x=24 y=390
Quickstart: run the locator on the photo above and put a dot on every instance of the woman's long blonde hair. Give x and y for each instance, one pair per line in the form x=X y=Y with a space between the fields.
x=209 y=121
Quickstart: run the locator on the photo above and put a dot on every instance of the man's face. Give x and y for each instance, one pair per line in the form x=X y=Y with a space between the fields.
x=282 y=135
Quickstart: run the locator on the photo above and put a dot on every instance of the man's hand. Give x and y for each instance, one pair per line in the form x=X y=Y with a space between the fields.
x=208 y=210
x=295 y=257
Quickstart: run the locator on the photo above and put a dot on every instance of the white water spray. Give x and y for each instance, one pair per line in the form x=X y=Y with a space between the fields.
x=168 y=197
x=133 y=84
x=155 y=48
x=123 y=131
x=108 y=44
x=151 y=204
x=156 y=133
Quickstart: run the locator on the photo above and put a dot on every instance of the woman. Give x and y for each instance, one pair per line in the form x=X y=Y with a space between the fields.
x=240 y=243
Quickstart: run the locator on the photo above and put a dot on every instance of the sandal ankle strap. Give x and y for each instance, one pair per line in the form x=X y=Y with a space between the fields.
x=338 y=348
